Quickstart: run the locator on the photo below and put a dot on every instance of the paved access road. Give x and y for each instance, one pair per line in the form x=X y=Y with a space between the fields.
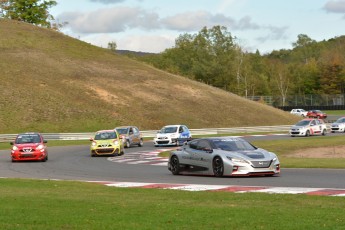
x=75 y=163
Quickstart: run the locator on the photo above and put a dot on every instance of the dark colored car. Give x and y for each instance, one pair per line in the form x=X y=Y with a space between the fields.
x=29 y=147
x=316 y=114
x=130 y=135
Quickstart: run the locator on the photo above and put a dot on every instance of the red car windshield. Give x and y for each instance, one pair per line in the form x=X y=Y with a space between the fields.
x=28 y=138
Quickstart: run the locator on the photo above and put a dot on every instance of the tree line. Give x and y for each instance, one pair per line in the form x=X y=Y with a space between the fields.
x=213 y=56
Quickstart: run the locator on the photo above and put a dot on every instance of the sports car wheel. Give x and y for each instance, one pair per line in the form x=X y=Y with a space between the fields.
x=307 y=134
x=175 y=165
x=141 y=143
x=218 y=167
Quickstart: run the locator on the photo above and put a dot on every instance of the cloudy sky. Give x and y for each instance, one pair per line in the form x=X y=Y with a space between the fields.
x=153 y=25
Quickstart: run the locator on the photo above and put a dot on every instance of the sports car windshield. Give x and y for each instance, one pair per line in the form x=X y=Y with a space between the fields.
x=303 y=123
x=28 y=138
x=168 y=130
x=122 y=130
x=105 y=136
x=230 y=145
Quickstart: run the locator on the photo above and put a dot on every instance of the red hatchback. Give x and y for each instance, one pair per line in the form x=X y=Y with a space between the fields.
x=29 y=147
x=316 y=114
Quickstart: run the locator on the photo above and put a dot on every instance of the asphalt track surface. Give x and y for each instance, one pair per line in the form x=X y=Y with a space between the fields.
x=75 y=163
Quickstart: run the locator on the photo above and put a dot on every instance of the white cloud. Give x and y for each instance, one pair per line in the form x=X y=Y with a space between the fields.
x=336 y=6
x=147 y=43
x=143 y=43
x=116 y=19
x=188 y=21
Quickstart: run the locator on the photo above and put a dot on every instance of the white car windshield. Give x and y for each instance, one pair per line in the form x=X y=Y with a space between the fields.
x=168 y=130
x=303 y=123
x=341 y=120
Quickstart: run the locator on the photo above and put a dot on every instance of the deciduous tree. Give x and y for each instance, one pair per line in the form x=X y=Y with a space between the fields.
x=31 y=11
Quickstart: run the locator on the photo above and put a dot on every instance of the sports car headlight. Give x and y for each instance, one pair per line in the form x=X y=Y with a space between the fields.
x=238 y=160
x=116 y=142
x=93 y=144
x=14 y=148
x=39 y=147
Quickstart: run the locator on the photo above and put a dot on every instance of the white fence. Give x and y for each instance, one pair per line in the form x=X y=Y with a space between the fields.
x=152 y=133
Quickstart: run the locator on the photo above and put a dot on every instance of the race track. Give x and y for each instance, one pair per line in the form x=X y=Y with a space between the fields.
x=139 y=165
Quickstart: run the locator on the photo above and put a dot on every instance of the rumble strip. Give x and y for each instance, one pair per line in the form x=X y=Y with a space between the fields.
x=227 y=188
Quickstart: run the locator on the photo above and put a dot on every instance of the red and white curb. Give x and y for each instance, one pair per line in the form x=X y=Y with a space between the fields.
x=335 y=192
x=228 y=188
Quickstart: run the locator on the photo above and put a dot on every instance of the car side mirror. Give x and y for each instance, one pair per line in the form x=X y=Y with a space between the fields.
x=11 y=143
x=91 y=139
x=45 y=141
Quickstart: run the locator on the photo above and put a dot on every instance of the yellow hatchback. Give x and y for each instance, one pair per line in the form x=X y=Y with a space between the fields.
x=106 y=142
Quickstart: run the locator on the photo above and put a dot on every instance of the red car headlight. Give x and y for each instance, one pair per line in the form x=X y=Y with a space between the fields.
x=39 y=147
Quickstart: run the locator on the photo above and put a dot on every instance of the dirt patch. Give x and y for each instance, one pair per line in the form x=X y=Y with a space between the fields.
x=321 y=152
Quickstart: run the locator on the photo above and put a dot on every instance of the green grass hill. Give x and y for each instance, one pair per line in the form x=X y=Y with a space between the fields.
x=51 y=82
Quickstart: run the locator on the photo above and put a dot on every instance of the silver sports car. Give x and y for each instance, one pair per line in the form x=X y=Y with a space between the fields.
x=222 y=156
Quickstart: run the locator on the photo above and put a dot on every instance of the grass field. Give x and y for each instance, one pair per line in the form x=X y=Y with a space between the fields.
x=61 y=84
x=335 y=112
x=45 y=204
x=77 y=87
x=33 y=204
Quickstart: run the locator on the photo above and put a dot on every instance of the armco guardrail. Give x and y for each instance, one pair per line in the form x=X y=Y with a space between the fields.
x=152 y=133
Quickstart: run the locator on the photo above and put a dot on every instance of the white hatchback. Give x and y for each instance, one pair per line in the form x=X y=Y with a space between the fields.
x=299 y=112
x=338 y=126
x=308 y=127
x=171 y=135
